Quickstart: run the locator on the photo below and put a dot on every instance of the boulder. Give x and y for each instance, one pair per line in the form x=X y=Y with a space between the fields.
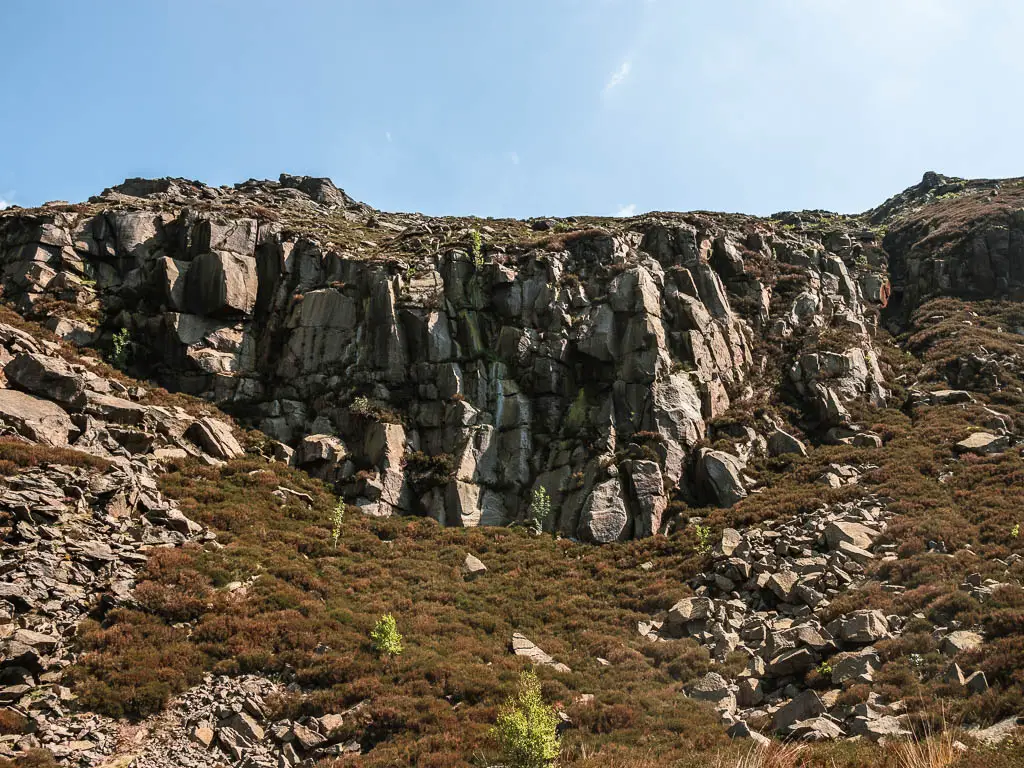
x=710 y=687
x=878 y=728
x=791 y=662
x=720 y=473
x=77 y=332
x=983 y=444
x=740 y=730
x=472 y=567
x=976 y=682
x=221 y=283
x=50 y=377
x=522 y=646
x=714 y=688
x=244 y=725
x=867 y=440
x=998 y=733
x=856 y=534
x=306 y=738
x=116 y=410
x=751 y=692
x=858 y=666
x=37 y=419
x=315 y=449
x=202 y=735
x=954 y=675
x=780 y=442
x=215 y=437
x=865 y=627
x=39 y=641
x=731 y=539
x=804 y=706
x=816 y=729
x=782 y=584
x=648 y=491
x=689 y=609
x=949 y=397
x=959 y=641
x=604 y=517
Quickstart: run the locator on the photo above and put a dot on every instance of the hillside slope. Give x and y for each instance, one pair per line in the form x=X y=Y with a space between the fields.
x=795 y=439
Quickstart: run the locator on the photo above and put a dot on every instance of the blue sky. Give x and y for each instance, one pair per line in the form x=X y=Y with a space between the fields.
x=515 y=107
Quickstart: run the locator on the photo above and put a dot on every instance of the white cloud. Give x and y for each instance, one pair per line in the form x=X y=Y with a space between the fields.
x=513 y=157
x=4 y=203
x=626 y=211
x=387 y=135
x=619 y=75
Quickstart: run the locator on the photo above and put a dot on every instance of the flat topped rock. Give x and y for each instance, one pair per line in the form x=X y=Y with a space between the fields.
x=523 y=646
x=983 y=444
x=37 y=640
x=114 y=409
x=816 y=729
x=856 y=534
x=997 y=733
x=950 y=396
x=865 y=627
x=961 y=640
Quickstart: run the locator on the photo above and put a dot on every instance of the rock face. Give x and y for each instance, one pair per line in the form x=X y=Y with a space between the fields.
x=591 y=383
x=980 y=261
x=591 y=365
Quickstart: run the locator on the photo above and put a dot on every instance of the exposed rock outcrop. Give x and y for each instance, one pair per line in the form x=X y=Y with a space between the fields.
x=560 y=356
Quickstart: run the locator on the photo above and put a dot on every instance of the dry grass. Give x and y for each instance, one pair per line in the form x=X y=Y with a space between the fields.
x=935 y=751
x=771 y=755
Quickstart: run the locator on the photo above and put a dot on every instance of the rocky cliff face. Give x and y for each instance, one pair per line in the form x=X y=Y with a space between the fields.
x=953 y=237
x=842 y=499
x=452 y=367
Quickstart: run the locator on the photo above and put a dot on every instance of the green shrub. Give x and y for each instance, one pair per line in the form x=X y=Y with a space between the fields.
x=703 y=538
x=373 y=410
x=526 y=730
x=121 y=346
x=476 y=247
x=540 y=508
x=386 y=638
x=337 y=516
